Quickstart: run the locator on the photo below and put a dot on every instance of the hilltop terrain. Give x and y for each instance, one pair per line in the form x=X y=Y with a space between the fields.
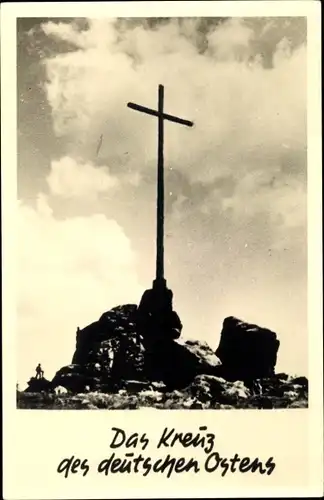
x=118 y=365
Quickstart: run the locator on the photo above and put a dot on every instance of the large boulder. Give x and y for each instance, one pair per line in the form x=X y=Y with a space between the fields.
x=38 y=385
x=247 y=351
x=111 y=347
x=111 y=325
x=74 y=378
x=155 y=317
x=107 y=352
x=177 y=363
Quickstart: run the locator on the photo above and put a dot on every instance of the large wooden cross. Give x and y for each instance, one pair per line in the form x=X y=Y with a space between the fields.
x=160 y=177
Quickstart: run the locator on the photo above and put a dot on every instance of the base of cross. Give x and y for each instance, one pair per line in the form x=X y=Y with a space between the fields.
x=156 y=319
x=159 y=284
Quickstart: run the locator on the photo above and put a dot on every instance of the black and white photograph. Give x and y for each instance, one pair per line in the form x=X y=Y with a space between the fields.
x=161 y=250
x=162 y=190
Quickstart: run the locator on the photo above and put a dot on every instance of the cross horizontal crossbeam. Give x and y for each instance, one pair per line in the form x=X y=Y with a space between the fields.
x=164 y=116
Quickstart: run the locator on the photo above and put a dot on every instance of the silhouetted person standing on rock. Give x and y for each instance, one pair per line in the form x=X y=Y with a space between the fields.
x=39 y=371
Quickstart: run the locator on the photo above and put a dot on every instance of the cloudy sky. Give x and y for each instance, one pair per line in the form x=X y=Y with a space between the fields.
x=235 y=183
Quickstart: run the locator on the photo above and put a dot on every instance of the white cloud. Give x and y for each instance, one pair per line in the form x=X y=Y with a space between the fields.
x=71 y=271
x=231 y=40
x=245 y=116
x=70 y=178
x=101 y=33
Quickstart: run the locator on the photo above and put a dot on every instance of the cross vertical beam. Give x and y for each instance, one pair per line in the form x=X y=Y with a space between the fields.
x=160 y=191
x=160 y=281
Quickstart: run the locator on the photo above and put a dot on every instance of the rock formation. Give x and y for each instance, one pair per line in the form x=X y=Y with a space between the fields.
x=133 y=357
x=247 y=351
x=128 y=343
x=117 y=348
x=204 y=392
x=107 y=352
x=208 y=388
x=155 y=318
x=177 y=363
x=38 y=385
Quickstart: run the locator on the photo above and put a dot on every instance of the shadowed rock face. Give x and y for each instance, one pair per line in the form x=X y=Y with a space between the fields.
x=108 y=350
x=247 y=351
x=119 y=347
x=112 y=327
x=155 y=317
x=75 y=378
x=38 y=385
x=177 y=363
x=111 y=350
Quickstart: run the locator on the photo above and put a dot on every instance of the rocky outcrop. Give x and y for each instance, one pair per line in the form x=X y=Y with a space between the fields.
x=111 y=351
x=75 y=378
x=132 y=357
x=216 y=389
x=38 y=385
x=278 y=386
x=117 y=348
x=205 y=392
x=178 y=362
x=107 y=352
x=155 y=316
x=247 y=351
